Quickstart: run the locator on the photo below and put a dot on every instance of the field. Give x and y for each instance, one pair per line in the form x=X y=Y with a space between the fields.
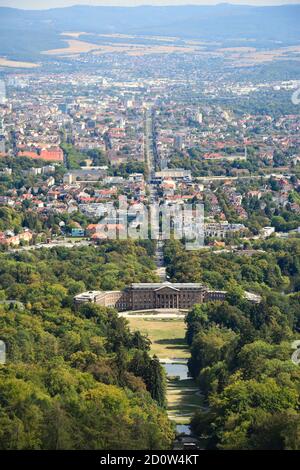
x=75 y=46
x=167 y=336
x=16 y=64
x=136 y=46
x=250 y=56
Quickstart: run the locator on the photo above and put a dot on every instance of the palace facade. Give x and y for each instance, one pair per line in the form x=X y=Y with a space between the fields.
x=146 y=296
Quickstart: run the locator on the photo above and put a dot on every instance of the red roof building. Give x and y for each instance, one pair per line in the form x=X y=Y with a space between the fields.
x=50 y=155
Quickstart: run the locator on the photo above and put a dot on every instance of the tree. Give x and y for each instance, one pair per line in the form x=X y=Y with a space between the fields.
x=210 y=346
x=156 y=382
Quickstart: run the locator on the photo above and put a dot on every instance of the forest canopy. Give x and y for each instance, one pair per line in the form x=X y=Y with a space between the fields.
x=76 y=379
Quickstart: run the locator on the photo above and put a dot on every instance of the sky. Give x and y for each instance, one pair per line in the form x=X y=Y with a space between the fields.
x=41 y=4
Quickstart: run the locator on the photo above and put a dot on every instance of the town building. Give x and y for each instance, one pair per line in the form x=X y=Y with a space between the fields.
x=3 y=98
x=222 y=229
x=176 y=174
x=85 y=174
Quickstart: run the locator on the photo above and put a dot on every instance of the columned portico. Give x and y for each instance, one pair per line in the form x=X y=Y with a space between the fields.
x=145 y=296
x=166 y=301
x=166 y=297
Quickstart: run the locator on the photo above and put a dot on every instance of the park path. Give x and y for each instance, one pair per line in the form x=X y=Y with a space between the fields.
x=182 y=392
x=183 y=395
x=159 y=260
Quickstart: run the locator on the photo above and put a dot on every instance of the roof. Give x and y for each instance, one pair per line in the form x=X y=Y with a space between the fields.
x=167 y=287
x=90 y=295
x=53 y=154
x=175 y=285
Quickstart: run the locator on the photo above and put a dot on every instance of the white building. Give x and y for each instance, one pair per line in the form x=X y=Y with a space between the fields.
x=2 y=92
x=267 y=231
x=198 y=117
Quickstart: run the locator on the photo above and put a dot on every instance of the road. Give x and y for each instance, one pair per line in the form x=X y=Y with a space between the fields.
x=149 y=146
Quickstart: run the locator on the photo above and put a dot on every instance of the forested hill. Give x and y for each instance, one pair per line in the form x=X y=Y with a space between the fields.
x=76 y=379
x=241 y=351
x=24 y=32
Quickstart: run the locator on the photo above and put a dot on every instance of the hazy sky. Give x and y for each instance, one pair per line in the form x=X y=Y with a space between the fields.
x=39 y=4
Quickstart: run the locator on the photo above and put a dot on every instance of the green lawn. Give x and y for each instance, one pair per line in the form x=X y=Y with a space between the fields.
x=167 y=336
x=168 y=341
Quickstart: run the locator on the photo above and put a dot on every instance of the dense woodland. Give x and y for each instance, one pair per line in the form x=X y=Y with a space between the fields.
x=51 y=277
x=76 y=379
x=240 y=351
x=273 y=269
x=241 y=359
x=81 y=380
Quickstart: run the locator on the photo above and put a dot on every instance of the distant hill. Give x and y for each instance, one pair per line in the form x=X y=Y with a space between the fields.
x=25 y=33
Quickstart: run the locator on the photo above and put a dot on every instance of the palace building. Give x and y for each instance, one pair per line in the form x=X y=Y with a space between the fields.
x=146 y=296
